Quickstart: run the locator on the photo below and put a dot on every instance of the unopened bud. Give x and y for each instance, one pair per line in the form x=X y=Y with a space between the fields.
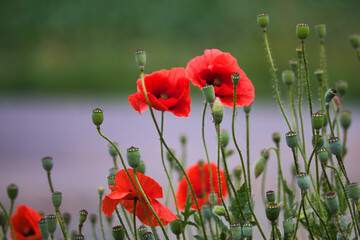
x=354 y=191
x=276 y=137
x=342 y=87
x=93 y=219
x=141 y=168
x=355 y=41
x=101 y=190
x=224 y=136
x=217 y=111
x=288 y=77
x=219 y=210
x=112 y=150
x=259 y=166
x=288 y=226
x=176 y=227
x=238 y=172
x=183 y=139
x=208 y=93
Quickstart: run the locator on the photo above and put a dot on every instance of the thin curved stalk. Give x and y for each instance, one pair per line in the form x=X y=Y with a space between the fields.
x=298 y=217
x=134 y=216
x=101 y=222
x=248 y=150
x=8 y=220
x=300 y=108
x=122 y=224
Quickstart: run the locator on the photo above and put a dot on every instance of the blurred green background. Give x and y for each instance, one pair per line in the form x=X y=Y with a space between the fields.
x=85 y=47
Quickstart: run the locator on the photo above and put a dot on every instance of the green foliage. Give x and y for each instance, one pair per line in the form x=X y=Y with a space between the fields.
x=236 y=210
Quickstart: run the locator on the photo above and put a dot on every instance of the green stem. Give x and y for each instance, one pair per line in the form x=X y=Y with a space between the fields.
x=307 y=220
x=168 y=189
x=291 y=106
x=273 y=235
x=342 y=168
x=8 y=220
x=10 y=213
x=52 y=237
x=115 y=163
x=61 y=222
x=345 y=142
x=100 y=219
x=281 y=176
x=248 y=151
x=211 y=230
x=295 y=160
x=318 y=215
x=326 y=176
x=307 y=78
x=50 y=182
x=122 y=223
x=93 y=231
x=134 y=215
x=263 y=192
x=298 y=217
x=329 y=120
x=300 y=102
x=323 y=62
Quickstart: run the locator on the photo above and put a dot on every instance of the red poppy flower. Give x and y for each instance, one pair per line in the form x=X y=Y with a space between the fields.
x=215 y=68
x=125 y=194
x=200 y=181
x=168 y=90
x=25 y=224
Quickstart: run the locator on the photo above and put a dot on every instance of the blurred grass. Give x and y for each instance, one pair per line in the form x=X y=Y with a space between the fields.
x=86 y=46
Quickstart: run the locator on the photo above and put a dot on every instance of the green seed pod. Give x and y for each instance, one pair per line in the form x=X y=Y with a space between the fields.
x=217 y=111
x=2 y=219
x=112 y=150
x=342 y=87
x=303 y=181
x=263 y=20
x=247 y=230
x=235 y=77
x=148 y=236
x=219 y=210
x=97 y=117
x=291 y=139
x=12 y=191
x=141 y=231
x=270 y=196
x=302 y=31
x=183 y=139
x=118 y=232
x=197 y=219
x=288 y=77
x=176 y=227
x=224 y=136
x=320 y=141
x=259 y=166
x=341 y=222
x=111 y=180
x=329 y=95
x=354 y=191
x=79 y=237
x=288 y=226
x=141 y=168
x=236 y=230
x=213 y=198
x=345 y=119
x=317 y=120
x=47 y=163
x=229 y=152
x=82 y=216
x=335 y=145
x=293 y=63
x=332 y=201
x=101 y=190
x=113 y=171
x=208 y=93
x=133 y=157
x=93 y=218
x=272 y=211
x=247 y=109
x=67 y=218
x=51 y=222
x=276 y=137
x=355 y=41
x=320 y=31
x=323 y=155
x=238 y=172
x=140 y=58
x=43 y=228
x=319 y=73
x=56 y=199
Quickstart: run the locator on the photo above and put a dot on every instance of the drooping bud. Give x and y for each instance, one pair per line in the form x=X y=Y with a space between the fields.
x=272 y=211
x=332 y=201
x=140 y=58
x=141 y=168
x=323 y=155
x=141 y=231
x=67 y=218
x=224 y=136
x=302 y=31
x=345 y=119
x=329 y=95
x=47 y=163
x=176 y=227
x=97 y=117
x=276 y=137
x=247 y=230
x=335 y=145
x=51 y=222
x=236 y=231
x=93 y=219
x=82 y=216
x=259 y=166
x=320 y=31
x=319 y=73
x=265 y=153
x=291 y=139
x=217 y=111
x=112 y=150
x=148 y=236
x=317 y=120
x=288 y=226
x=118 y=232
x=342 y=87
x=355 y=41
x=341 y=222
x=12 y=191
x=208 y=93
x=303 y=181
x=270 y=196
x=235 y=77
x=133 y=157
x=56 y=199
x=111 y=180
x=219 y=210
x=288 y=77
x=354 y=191
x=263 y=20
x=43 y=228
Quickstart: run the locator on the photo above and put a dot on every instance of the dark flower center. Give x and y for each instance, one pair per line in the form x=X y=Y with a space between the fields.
x=30 y=232
x=164 y=96
x=216 y=82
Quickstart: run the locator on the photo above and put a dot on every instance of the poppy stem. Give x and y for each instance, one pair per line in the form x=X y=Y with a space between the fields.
x=50 y=182
x=306 y=219
x=298 y=217
x=134 y=214
x=248 y=150
x=100 y=217
x=10 y=213
x=329 y=120
x=8 y=220
x=61 y=222
x=122 y=223
x=300 y=92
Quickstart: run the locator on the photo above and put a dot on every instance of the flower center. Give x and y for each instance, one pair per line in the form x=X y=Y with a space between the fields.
x=163 y=96
x=216 y=82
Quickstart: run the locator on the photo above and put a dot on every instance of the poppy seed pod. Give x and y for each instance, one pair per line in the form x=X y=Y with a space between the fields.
x=219 y=210
x=272 y=211
x=217 y=111
x=235 y=77
x=238 y=172
x=183 y=139
x=270 y=196
x=118 y=232
x=224 y=136
x=329 y=95
x=82 y=216
x=303 y=181
x=320 y=141
x=317 y=120
x=43 y=228
x=355 y=41
x=133 y=157
x=51 y=222
x=342 y=87
x=319 y=73
x=140 y=58
x=113 y=171
x=2 y=219
x=12 y=191
x=176 y=227
x=341 y=221
x=247 y=109
x=97 y=116
x=67 y=218
x=47 y=163
x=79 y=237
x=291 y=139
x=235 y=229
x=213 y=198
x=208 y=93
x=247 y=230
x=263 y=20
x=259 y=166
x=354 y=191
x=276 y=137
x=93 y=218
x=288 y=77
x=335 y=145
x=332 y=201
x=323 y=155
x=112 y=150
x=111 y=180
x=302 y=31
x=345 y=119
x=320 y=31
x=56 y=199
x=148 y=236
x=142 y=230
x=288 y=226
x=141 y=168
x=293 y=63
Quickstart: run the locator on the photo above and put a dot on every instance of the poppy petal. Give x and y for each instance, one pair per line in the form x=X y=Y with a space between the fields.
x=109 y=205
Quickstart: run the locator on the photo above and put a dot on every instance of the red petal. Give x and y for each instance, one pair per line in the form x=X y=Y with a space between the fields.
x=109 y=205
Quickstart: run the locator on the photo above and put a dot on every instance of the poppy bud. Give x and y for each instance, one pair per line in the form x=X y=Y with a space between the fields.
x=2 y=219
x=47 y=163
x=12 y=191
x=270 y=196
x=97 y=117
x=247 y=109
x=238 y=172
x=247 y=230
x=320 y=141
x=112 y=150
x=235 y=229
x=213 y=198
x=354 y=191
x=265 y=154
x=317 y=120
x=148 y=236
x=141 y=168
x=111 y=180
x=303 y=181
x=291 y=139
x=142 y=230
x=263 y=20
x=79 y=237
x=113 y=171
x=118 y=232
x=345 y=119
x=302 y=31
x=332 y=201
x=133 y=157
x=219 y=210
x=206 y=211
x=323 y=155
x=288 y=77
x=355 y=41
x=319 y=73
x=183 y=139
x=197 y=219
x=288 y=226
x=335 y=145
x=341 y=222
x=320 y=31
x=229 y=152
x=224 y=136
x=93 y=219
x=293 y=63
x=67 y=218
x=82 y=216
x=342 y=87
x=43 y=228
x=101 y=190
x=272 y=211
x=176 y=227
x=51 y=222
x=217 y=111
x=276 y=137
x=208 y=93
x=329 y=95
x=56 y=199
x=235 y=78
x=259 y=166
x=140 y=58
